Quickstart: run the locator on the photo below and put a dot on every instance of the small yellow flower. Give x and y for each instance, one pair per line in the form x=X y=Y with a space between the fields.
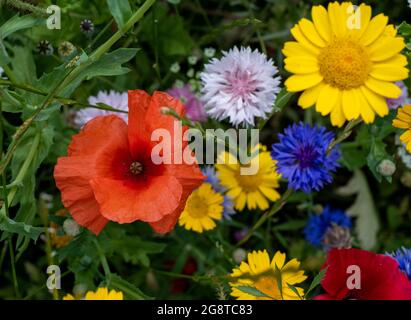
x=261 y=274
x=403 y=121
x=202 y=207
x=345 y=62
x=253 y=190
x=100 y=294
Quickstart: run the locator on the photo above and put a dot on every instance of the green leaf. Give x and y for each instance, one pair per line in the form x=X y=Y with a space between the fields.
x=120 y=10
x=405 y=29
x=10 y=226
x=253 y=291
x=17 y=23
x=376 y=155
x=110 y=64
x=367 y=223
x=316 y=281
x=128 y=289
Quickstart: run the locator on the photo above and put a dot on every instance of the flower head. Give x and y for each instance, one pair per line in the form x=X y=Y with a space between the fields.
x=303 y=157
x=99 y=294
x=251 y=190
x=264 y=275
x=113 y=99
x=109 y=174
x=403 y=121
x=402 y=99
x=194 y=107
x=403 y=257
x=345 y=65
x=203 y=207
x=320 y=228
x=240 y=86
x=380 y=277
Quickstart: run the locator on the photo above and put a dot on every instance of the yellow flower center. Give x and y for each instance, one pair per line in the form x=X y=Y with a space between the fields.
x=344 y=64
x=197 y=207
x=249 y=183
x=269 y=286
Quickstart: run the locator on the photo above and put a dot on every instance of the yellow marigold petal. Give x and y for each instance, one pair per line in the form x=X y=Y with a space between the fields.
x=327 y=99
x=299 y=82
x=306 y=43
x=350 y=104
x=398 y=60
x=401 y=124
x=386 y=48
x=383 y=88
x=270 y=193
x=240 y=202
x=375 y=28
x=377 y=102
x=295 y=49
x=310 y=32
x=309 y=97
x=278 y=260
x=338 y=18
x=337 y=115
x=406 y=136
x=301 y=65
x=364 y=13
x=389 y=72
x=366 y=111
x=322 y=24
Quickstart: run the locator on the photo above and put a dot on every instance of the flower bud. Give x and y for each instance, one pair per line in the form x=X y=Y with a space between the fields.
x=239 y=255
x=386 y=168
x=71 y=227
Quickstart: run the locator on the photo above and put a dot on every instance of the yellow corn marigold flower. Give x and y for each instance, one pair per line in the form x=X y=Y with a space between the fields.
x=253 y=190
x=203 y=206
x=100 y=294
x=261 y=274
x=403 y=121
x=345 y=62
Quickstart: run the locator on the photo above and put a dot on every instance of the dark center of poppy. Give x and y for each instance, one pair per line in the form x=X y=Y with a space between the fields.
x=136 y=168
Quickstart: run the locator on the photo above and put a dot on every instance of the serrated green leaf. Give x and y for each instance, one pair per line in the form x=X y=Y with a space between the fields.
x=120 y=10
x=10 y=226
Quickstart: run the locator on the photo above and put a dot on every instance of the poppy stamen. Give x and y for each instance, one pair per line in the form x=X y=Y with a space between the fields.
x=136 y=168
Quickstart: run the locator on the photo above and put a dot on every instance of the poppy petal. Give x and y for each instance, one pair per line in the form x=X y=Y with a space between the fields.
x=72 y=175
x=125 y=202
x=138 y=136
x=99 y=134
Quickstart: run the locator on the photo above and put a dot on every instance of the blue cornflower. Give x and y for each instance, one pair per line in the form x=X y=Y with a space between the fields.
x=212 y=178
x=328 y=224
x=403 y=257
x=302 y=157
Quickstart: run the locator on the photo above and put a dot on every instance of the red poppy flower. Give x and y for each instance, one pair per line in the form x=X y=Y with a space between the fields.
x=379 y=277
x=109 y=173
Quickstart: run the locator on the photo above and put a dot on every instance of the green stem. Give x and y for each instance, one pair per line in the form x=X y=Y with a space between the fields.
x=103 y=261
x=62 y=100
x=71 y=76
x=277 y=207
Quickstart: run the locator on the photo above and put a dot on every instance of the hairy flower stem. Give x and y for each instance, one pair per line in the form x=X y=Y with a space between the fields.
x=24 y=6
x=70 y=77
x=62 y=100
x=280 y=203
